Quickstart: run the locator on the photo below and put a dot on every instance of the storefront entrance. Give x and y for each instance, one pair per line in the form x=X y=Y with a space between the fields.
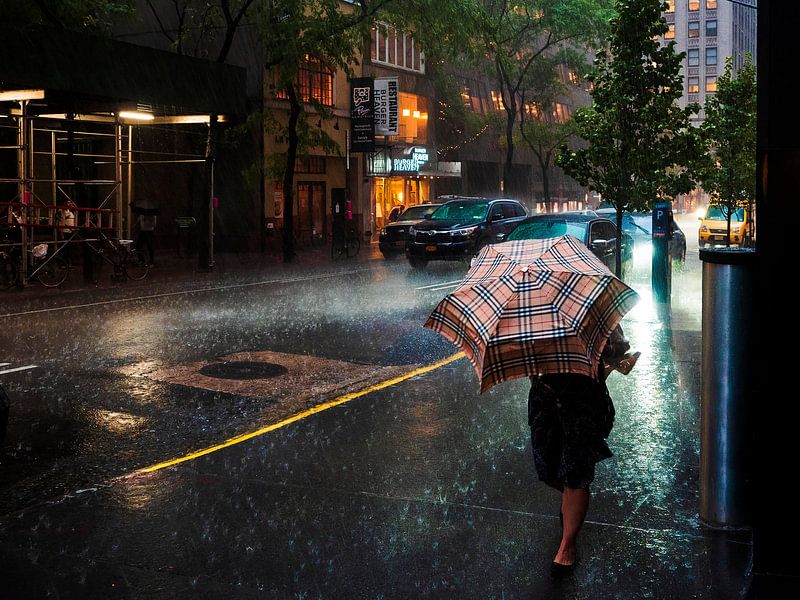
x=310 y=220
x=391 y=192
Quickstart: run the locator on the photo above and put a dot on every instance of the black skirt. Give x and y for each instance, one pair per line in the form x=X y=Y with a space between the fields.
x=570 y=418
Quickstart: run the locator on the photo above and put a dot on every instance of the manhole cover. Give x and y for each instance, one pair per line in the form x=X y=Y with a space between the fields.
x=243 y=370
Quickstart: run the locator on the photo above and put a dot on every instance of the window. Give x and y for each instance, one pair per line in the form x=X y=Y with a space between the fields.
x=670 y=6
x=312 y=164
x=474 y=96
x=497 y=100
x=693 y=57
x=392 y=47
x=711 y=56
x=314 y=81
x=694 y=29
x=711 y=84
x=694 y=85
x=711 y=4
x=711 y=28
x=670 y=35
x=694 y=5
x=561 y=113
x=533 y=111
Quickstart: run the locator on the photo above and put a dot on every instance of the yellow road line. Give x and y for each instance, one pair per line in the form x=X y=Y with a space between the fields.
x=301 y=415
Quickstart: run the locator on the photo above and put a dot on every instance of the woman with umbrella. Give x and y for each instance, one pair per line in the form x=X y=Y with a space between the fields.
x=549 y=310
x=570 y=416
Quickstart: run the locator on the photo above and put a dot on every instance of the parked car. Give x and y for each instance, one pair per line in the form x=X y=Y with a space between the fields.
x=460 y=228
x=639 y=226
x=597 y=233
x=714 y=226
x=392 y=238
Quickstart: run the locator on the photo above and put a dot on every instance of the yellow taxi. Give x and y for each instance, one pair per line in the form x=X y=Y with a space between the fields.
x=714 y=226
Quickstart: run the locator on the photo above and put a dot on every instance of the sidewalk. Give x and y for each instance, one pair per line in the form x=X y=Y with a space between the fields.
x=171 y=269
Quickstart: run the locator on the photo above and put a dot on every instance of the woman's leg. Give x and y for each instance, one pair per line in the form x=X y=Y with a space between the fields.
x=574 y=504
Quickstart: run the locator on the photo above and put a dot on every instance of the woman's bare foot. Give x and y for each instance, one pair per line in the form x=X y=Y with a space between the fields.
x=565 y=554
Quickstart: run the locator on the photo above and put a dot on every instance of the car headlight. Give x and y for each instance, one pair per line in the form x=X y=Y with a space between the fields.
x=736 y=228
x=466 y=232
x=704 y=229
x=412 y=231
x=383 y=230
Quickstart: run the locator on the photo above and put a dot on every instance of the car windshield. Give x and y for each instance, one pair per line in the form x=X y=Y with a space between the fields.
x=416 y=213
x=720 y=213
x=547 y=228
x=463 y=212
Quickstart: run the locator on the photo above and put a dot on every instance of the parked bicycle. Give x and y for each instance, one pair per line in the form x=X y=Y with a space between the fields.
x=125 y=260
x=50 y=271
x=346 y=242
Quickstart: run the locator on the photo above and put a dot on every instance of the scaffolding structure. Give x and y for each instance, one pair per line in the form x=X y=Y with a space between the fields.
x=35 y=199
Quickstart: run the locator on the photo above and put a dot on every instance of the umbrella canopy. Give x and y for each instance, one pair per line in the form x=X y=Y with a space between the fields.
x=532 y=307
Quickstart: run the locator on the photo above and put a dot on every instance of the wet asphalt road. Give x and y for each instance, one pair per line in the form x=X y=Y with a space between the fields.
x=419 y=489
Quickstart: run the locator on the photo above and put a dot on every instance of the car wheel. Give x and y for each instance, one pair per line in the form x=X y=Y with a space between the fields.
x=417 y=263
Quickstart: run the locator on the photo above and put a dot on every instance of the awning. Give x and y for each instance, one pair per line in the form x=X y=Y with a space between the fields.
x=67 y=64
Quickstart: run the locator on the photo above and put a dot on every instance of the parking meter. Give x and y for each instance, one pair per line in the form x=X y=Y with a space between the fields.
x=661 y=262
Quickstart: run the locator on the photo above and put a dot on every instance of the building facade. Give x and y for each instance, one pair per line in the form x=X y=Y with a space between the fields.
x=708 y=31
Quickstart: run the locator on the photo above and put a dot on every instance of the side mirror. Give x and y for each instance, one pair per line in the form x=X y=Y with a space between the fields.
x=496 y=217
x=428 y=216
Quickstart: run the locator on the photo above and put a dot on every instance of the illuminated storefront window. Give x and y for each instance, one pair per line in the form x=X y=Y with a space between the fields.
x=413 y=126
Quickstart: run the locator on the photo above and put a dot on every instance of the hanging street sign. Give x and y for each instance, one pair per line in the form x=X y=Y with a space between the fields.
x=387 y=106
x=362 y=118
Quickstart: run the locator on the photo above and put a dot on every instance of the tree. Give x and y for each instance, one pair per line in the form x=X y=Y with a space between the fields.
x=193 y=26
x=729 y=131
x=295 y=34
x=519 y=36
x=543 y=131
x=73 y=15
x=545 y=139
x=640 y=144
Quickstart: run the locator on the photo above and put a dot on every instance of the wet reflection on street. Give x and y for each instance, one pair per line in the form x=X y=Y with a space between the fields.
x=420 y=489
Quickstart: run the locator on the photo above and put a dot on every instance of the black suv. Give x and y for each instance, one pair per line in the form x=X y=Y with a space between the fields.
x=392 y=239
x=459 y=228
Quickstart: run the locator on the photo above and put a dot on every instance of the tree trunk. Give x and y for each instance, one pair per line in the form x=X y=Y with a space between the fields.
x=288 y=176
x=204 y=229
x=728 y=220
x=545 y=166
x=510 y=119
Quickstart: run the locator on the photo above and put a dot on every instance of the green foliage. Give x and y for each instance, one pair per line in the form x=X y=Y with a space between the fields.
x=76 y=15
x=523 y=42
x=640 y=143
x=641 y=146
x=729 y=130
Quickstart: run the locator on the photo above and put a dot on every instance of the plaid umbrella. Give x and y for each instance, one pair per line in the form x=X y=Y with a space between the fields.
x=532 y=307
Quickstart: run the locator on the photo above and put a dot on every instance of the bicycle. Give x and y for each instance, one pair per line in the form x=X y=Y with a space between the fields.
x=50 y=272
x=346 y=242
x=126 y=261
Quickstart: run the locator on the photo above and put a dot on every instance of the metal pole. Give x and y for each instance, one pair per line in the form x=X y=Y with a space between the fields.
x=211 y=218
x=128 y=224
x=118 y=175
x=24 y=191
x=53 y=173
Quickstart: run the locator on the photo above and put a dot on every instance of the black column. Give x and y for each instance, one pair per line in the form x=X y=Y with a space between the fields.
x=776 y=441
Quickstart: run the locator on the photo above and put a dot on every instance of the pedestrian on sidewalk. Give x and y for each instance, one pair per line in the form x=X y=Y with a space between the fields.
x=570 y=417
x=146 y=224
